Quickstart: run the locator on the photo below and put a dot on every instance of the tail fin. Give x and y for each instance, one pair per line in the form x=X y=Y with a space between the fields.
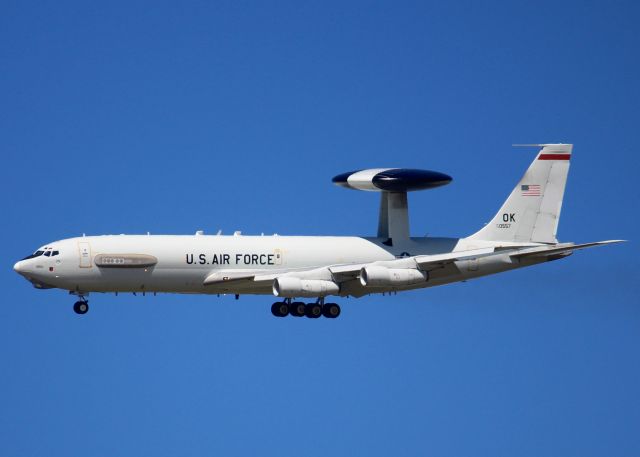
x=532 y=211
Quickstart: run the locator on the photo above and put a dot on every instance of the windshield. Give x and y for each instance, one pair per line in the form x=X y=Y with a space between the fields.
x=47 y=252
x=35 y=254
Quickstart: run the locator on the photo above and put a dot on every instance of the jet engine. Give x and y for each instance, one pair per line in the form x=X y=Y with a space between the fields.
x=287 y=286
x=377 y=276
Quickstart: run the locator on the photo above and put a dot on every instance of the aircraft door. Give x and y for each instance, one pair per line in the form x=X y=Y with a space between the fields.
x=85 y=254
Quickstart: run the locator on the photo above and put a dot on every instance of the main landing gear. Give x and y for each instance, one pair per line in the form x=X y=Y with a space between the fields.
x=81 y=306
x=310 y=310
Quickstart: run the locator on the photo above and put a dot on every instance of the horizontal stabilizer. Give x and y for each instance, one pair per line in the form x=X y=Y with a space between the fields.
x=562 y=248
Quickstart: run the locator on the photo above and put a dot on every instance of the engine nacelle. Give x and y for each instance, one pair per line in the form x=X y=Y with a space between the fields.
x=377 y=276
x=287 y=286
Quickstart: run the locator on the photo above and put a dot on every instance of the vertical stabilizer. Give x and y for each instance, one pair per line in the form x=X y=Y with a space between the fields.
x=532 y=211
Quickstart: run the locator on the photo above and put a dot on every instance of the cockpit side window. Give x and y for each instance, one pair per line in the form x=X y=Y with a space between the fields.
x=55 y=253
x=47 y=254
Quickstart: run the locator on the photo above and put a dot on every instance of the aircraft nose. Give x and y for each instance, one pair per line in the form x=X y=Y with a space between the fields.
x=19 y=267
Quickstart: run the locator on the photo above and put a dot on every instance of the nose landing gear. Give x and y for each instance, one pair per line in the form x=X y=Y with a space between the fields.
x=81 y=306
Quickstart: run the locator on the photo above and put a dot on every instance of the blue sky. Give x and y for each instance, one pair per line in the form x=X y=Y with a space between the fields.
x=128 y=117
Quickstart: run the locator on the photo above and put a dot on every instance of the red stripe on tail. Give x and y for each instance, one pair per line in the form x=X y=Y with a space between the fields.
x=554 y=157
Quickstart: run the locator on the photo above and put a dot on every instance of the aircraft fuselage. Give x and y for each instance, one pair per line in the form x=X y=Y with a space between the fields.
x=183 y=262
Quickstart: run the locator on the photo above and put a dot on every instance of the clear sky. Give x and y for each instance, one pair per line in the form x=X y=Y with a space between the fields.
x=170 y=117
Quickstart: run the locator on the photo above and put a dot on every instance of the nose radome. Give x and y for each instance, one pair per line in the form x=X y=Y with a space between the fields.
x=19 y=267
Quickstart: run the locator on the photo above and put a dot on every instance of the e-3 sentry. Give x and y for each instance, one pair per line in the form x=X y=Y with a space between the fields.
x=521 y=234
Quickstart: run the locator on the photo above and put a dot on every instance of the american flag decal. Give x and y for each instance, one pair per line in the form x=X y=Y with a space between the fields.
x=530 y=190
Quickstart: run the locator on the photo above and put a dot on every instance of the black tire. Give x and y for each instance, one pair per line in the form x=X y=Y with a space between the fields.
x=280 y=309
x=331 y=310
x=297 y=309
x=313 y=310
x=81 y=307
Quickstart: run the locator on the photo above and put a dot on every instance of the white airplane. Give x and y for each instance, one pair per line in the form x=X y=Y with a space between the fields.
x=521 y=234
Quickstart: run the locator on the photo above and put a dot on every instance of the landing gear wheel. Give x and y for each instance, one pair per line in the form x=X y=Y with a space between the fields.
x=313 y=310
x=81 y=307
x=297 y=309
x=331 y=310
x=280 y=309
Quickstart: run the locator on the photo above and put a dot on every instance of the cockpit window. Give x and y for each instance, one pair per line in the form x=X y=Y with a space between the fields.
x=47 y=254
x=55 y=253
x=35 y=254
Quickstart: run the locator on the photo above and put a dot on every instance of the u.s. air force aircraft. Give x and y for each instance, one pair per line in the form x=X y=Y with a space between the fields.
x=521 y=234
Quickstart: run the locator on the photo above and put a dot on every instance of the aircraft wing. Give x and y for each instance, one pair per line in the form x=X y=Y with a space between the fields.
x=349 y=272
x=344 y=272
